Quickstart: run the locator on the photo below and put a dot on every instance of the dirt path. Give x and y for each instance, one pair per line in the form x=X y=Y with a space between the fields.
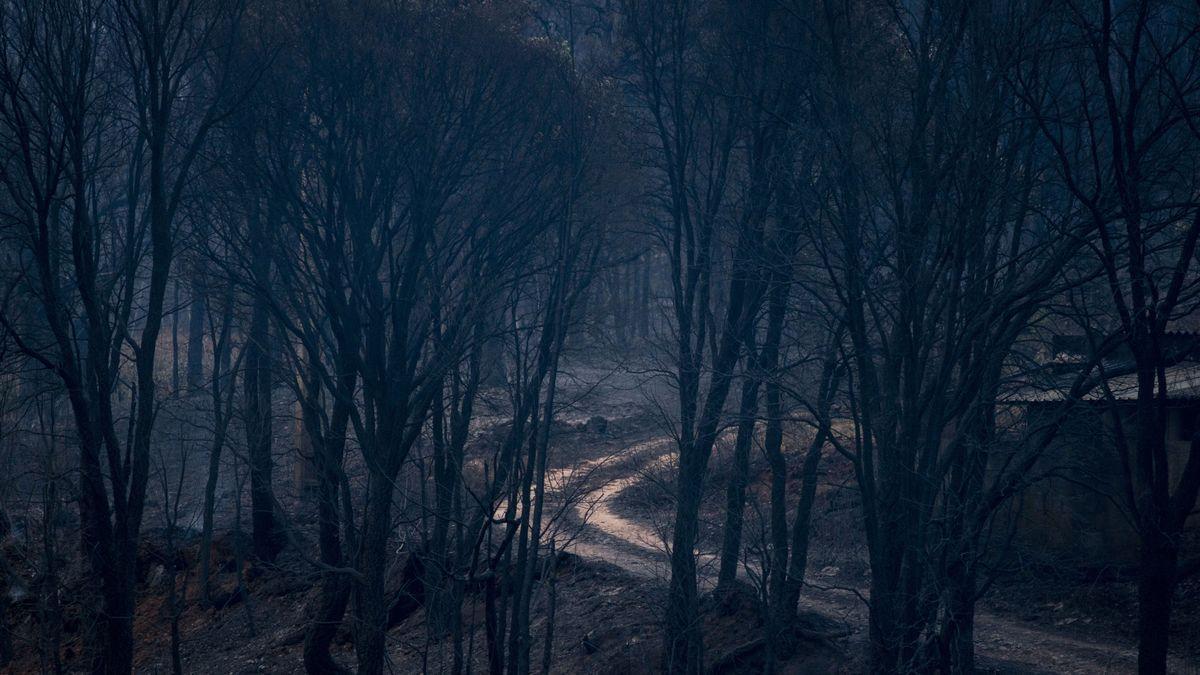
x=1001 y=642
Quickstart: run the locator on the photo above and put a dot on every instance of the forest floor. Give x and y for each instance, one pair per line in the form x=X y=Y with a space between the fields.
x=612 y=489
x=1031 y=621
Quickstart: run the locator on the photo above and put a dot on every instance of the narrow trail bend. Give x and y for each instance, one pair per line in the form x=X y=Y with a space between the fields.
x=1001 y=642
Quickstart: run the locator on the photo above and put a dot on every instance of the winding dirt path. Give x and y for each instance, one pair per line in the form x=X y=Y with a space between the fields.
x=1001 y=642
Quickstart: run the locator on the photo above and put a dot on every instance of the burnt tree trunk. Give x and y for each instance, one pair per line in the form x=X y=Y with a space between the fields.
x=258 y=384
x=329 y=448
x=195 y=343
x=798 y=562
x=773 y=448
x=222 y=405
x=683 y=640
x=735 y=493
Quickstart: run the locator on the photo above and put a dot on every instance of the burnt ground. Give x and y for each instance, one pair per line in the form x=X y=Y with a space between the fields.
x=607 y=617
x=612 y=490
x=1033 y=618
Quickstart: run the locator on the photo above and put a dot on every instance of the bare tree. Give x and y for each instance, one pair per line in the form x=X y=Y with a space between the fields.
x=1123 y=128
x=411 y=183
x=939 y=260
x=78 y=77
x=702 y=74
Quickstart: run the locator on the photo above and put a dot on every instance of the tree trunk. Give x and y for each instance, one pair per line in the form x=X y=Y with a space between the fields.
x=210 y=498
x=551 y=608
x=886 y=627
x=492 y=630
x=195 y=345
x=175 y=338
x=798 y=563
x=735 y=494
x=322 y=628
x=537 y=466
x=371 y=601
x=335 y=586
x=773 y=448
x=50 y=603
x=1156 y=586
x=258 y=430
x=683 y=646
x=113 y=652
x=119 y=608
x=645 y=308
x=773 y=445
x=958 y=629
x=222 y=373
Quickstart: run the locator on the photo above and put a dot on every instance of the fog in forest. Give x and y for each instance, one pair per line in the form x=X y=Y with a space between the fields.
x=599 y=336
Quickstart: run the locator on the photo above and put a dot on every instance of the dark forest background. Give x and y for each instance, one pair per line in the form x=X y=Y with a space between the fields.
x=330 y=304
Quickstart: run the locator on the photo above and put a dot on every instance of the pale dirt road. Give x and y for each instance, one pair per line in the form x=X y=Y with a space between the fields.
x=1001 y=642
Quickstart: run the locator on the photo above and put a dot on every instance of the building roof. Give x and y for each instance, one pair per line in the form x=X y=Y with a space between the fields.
x=1069 y=355
x=1183 y=384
